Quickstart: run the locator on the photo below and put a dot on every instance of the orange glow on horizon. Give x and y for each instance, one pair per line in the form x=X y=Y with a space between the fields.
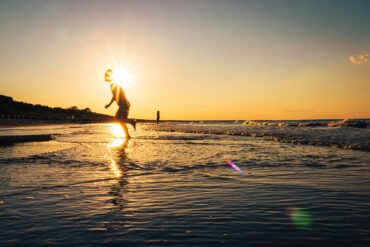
x=191 y=70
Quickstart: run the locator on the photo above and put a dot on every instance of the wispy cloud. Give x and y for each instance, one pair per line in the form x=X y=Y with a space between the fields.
x=359 y=59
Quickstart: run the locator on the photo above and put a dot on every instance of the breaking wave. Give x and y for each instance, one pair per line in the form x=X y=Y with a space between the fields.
x=356 y=123
x=348 y=138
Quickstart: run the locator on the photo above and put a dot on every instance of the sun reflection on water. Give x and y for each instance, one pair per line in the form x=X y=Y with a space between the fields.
x=118 y=142
x=113 y=166
x=119 y=135
x=115 y=169
x=117 y=131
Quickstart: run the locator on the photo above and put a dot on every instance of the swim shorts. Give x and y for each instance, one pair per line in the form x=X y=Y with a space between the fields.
x=122 y=113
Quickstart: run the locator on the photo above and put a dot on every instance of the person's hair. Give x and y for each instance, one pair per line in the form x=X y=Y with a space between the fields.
x=108 y=75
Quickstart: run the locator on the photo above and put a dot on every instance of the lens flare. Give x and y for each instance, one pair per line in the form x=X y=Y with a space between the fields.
x=235 y=167
x=300 y=218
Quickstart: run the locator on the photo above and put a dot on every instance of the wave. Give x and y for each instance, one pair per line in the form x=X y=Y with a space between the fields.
x=347 y=138
x=355 y=123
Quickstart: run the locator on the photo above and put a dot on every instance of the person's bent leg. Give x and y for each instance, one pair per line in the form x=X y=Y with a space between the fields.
x=132 y=122
x=127 y=120
x=121 y=116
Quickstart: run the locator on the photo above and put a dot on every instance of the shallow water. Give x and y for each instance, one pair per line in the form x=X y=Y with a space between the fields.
x=170 y=188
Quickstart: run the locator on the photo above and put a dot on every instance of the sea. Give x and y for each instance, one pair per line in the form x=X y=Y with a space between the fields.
x=200 y=183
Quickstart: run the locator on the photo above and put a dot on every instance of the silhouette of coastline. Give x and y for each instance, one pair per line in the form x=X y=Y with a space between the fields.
x=20 y=113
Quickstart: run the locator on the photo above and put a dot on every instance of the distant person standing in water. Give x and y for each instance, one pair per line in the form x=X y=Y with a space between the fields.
x=119 y=96
x=158 y=117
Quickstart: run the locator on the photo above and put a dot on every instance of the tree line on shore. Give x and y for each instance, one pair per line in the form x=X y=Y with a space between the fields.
x=11 y=109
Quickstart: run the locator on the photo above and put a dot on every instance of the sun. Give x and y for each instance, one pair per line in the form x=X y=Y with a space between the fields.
x=122 y=76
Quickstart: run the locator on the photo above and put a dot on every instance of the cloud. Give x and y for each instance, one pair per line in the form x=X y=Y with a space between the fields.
x=360 y=59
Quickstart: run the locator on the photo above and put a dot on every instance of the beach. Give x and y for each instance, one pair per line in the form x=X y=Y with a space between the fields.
x=185 y=123
x=174 y=185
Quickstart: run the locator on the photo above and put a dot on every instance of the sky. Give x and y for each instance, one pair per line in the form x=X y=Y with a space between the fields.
x=192 y=60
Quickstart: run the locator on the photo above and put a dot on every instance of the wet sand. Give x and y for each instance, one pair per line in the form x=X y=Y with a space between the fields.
x=10 y=140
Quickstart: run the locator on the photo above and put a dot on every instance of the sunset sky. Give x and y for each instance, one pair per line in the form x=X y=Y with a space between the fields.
x=192 y=59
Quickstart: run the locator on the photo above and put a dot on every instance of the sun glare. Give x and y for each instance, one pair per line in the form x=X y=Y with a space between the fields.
x=118 y=131
x=122 y=76
x=119 y=135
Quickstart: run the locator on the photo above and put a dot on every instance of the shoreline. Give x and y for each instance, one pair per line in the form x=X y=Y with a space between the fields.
x=28 y=123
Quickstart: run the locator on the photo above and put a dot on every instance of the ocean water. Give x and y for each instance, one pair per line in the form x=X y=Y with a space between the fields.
x=349 y=134
x=174 y=185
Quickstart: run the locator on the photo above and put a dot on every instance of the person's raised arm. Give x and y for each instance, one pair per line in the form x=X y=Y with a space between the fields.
x=111 y=101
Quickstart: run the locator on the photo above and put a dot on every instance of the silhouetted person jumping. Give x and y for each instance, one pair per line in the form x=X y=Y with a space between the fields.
x=119 y=96
x=158 y=117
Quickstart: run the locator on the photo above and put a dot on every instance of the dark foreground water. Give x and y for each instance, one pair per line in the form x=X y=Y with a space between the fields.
x=88 y=187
